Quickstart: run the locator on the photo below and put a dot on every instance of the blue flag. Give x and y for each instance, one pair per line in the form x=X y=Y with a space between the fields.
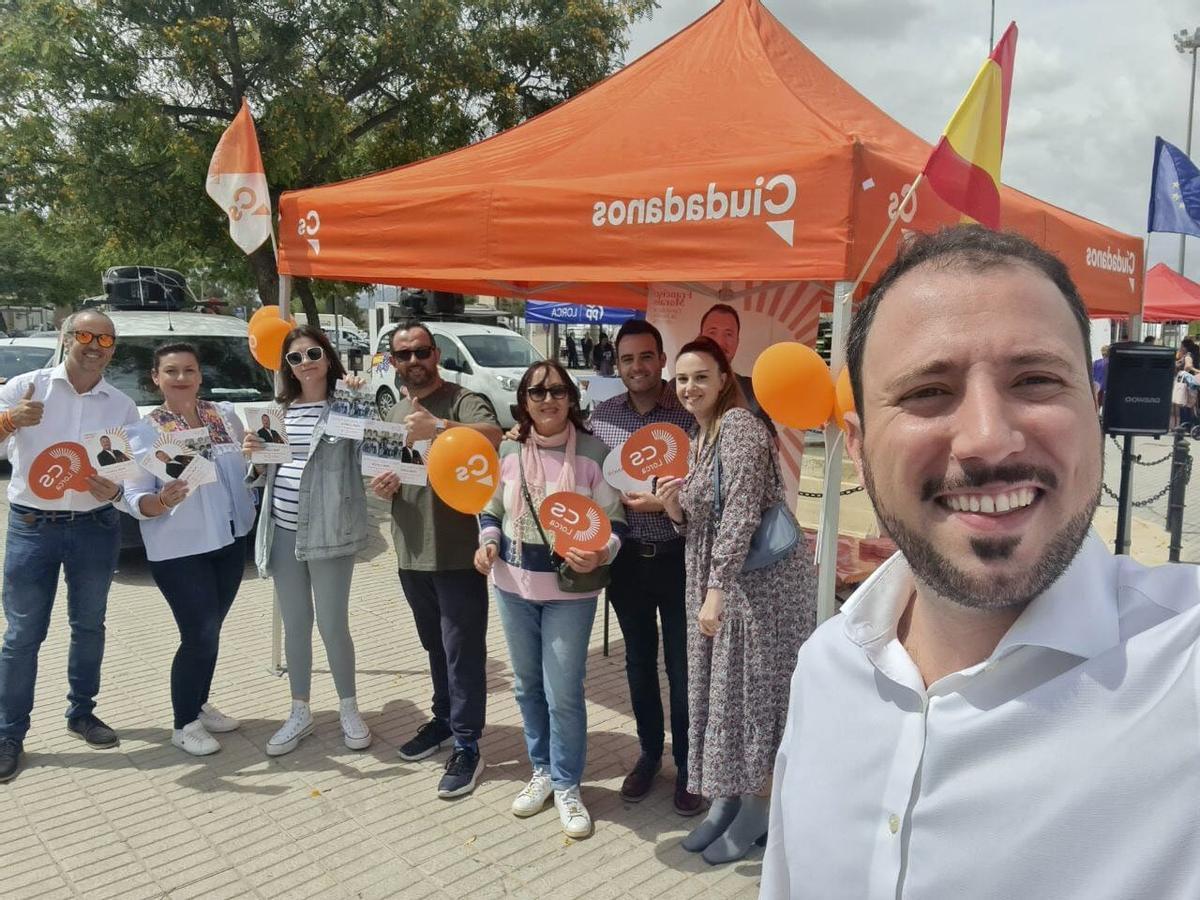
x=1174 y=191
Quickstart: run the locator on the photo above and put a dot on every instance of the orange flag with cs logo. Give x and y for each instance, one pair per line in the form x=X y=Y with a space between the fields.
x=237 y=182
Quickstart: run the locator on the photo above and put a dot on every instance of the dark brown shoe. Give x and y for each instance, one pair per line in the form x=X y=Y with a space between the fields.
x=637 y=783
x=687 y=803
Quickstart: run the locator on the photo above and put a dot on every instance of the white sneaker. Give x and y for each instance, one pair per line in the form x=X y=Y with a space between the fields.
x=215 y=721
x=533 y=796
x=572 y=813
x=299 y=725
x=193 y=738
x=354 y=730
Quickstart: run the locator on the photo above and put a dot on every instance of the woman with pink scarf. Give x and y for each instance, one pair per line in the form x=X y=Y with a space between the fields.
x=548 y=629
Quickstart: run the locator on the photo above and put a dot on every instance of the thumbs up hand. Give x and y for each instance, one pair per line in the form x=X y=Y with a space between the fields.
x=421 y=423
x=28 y=411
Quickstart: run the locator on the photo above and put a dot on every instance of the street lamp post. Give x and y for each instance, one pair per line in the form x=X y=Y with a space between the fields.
x=1188 y=43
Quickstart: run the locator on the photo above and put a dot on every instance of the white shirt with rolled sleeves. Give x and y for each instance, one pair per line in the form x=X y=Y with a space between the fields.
x=1066 y=765
x=68 y=415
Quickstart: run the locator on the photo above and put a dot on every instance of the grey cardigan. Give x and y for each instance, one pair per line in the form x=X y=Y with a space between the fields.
x=333 y=503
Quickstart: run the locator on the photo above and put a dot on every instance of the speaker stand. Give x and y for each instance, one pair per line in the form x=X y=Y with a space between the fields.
x=1124 y=501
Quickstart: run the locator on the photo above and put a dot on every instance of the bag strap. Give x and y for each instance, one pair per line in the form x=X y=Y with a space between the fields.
x=529 y=503
x=717 y=473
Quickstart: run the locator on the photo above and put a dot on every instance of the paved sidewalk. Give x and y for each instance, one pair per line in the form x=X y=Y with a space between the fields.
x=146 y=820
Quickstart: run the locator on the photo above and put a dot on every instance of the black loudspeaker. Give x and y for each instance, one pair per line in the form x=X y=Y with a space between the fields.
x=1137 y=398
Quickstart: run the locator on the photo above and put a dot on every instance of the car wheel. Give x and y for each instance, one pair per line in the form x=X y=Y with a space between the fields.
x=384 y=401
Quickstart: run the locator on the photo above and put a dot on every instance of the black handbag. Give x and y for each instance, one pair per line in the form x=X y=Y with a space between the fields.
x=569 y=581
x=777 y=533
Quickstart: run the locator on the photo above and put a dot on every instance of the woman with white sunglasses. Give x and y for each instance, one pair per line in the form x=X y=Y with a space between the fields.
x=312 y=525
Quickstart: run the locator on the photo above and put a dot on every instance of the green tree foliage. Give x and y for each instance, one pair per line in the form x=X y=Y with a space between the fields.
x=110 y=109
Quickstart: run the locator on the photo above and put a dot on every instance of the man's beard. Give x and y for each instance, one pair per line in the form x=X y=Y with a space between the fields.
x=406 y=379
x=987 y=592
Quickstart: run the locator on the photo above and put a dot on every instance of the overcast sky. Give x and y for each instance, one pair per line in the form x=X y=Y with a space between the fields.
x=1094 y=83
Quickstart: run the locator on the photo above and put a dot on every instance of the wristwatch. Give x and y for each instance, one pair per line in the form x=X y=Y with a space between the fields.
x=440 y=427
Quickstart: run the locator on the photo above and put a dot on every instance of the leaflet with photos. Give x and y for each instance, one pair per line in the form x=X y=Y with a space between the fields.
x=349 y=411
x=386 y=447
x=180 y=455
x=266 y=423
x=110 y=453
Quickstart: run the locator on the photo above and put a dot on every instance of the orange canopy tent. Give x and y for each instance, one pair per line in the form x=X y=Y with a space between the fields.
x=1170 y=297
x=730 y=152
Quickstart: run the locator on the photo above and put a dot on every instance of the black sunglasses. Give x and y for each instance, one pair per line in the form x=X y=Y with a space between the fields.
x=538 y=393
x=295 y=357
x=421 y=353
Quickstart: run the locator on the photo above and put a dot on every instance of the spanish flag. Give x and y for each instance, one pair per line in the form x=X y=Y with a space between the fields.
x=964 y=168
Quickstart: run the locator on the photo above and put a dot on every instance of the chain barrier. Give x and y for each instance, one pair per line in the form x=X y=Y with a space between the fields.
x=819 y=495
x=1187 y=478
x=1137 y=459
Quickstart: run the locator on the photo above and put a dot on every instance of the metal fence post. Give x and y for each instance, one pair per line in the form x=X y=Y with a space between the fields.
x=1181 y=464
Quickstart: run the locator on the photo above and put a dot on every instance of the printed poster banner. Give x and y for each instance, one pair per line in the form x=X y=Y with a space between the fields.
x=387 y=448
x=744 y=317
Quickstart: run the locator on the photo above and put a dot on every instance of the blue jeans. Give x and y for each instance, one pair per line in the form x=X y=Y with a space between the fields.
x=548 y=644
x=86 y=549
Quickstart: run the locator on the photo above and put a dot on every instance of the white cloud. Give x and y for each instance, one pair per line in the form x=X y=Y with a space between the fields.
x=1094 y=83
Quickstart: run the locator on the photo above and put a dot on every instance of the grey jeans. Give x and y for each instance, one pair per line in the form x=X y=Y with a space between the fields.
x=301 y=587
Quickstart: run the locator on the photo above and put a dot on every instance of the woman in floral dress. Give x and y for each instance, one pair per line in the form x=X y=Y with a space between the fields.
x=747 y=626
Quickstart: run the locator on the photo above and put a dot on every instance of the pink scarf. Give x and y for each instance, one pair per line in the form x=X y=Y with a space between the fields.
x=535 y=478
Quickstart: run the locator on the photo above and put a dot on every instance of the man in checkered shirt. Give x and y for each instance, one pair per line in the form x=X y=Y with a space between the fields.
x=648 y=579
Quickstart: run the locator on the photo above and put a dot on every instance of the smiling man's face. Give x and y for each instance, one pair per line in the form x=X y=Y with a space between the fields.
x=982 y=448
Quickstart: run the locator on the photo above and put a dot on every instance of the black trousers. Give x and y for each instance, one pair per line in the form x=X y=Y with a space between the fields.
x=200 y=589
x=450 y=610
x=642 y=591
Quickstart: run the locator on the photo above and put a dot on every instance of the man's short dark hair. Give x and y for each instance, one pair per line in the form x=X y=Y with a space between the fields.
x=722 y=308
x=408 y=325
x=970 y=247
x=639 y=326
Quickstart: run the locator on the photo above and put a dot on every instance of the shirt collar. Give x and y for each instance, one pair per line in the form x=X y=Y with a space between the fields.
x=1077 y=614
x=59 y=373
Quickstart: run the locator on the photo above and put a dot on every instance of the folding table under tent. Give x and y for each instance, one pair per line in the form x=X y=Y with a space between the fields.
x=728 y=160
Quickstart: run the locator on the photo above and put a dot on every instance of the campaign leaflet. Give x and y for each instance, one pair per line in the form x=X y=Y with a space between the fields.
x=266 y=422
x=349 y=411
x=182 y=455
x=110 y=453
x=386 y=448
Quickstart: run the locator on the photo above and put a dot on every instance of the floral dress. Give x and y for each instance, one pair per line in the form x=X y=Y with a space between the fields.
x=738 y=681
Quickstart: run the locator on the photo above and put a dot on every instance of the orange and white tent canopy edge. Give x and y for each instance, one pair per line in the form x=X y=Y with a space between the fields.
x=520 y=207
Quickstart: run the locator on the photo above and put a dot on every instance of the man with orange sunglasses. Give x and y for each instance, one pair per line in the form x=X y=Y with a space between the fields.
x=78 y=531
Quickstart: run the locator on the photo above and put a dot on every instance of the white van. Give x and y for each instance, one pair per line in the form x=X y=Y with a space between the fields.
x=482 y=358
x=230 y=372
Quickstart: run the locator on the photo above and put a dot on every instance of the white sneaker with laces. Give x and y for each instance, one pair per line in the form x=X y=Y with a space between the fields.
x=354 y=730
x=533 y=796
x=215 y=721
x=193 y=738
x=299 y=725
x=572 y=813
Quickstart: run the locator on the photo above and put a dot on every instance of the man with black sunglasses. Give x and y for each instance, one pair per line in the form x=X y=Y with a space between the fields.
x=436 y=547
x=78 y=531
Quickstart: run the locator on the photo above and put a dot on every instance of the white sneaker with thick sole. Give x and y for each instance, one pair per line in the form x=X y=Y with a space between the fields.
x=215 y=721
x=193 y=738
x=572 y=813
x=299 y=725
x=533 y=797
x=354 y=730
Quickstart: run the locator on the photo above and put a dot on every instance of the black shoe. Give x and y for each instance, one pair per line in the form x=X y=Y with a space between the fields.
x=428 y=741
x=462 y=771
x=10 y=759
x=637 y=783
x=92 y=730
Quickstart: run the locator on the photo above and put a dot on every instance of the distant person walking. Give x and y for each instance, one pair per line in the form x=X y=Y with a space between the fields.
x=1100 y=375
x=572 y=354
x=586 y=345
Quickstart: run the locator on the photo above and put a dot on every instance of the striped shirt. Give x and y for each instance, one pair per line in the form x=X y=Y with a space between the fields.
x=299 y=421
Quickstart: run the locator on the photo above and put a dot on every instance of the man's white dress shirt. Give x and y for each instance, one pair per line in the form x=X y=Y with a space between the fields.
x=68 y=415
x=1066 y=765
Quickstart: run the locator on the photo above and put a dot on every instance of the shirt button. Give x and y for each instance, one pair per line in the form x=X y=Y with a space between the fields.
x=893 y=823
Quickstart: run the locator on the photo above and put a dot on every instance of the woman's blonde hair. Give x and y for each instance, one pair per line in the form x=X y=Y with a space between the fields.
x=731 y=395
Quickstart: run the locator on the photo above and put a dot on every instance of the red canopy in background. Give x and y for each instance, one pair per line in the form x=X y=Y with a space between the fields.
x=1170 y=297
x=728 y=153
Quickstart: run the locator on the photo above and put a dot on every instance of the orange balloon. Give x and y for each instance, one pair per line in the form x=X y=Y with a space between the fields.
x=266 y=340
x=269 y=312
x=843 y=398
x=792 y=384
x=464 y=469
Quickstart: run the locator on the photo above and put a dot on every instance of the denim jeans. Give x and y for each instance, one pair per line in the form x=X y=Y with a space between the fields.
x=200 y=589
x=86 y=549
x=642 y=590
x=548 y=644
